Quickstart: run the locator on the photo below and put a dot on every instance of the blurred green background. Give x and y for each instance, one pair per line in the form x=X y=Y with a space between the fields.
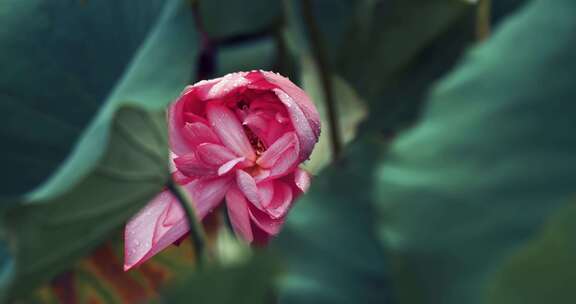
x=446 y=170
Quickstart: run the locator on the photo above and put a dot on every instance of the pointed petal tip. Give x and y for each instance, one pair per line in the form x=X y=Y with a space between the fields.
x=228 y=166
x=302 y=179
x=248 y=187
x=239 y=215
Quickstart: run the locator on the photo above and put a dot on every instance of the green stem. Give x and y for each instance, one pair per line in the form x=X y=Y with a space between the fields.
x=321 y=58
x=197 y=235
x=483 y=18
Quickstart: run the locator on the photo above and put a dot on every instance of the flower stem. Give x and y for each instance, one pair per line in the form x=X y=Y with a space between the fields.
x=197 y=235
x=483 y=18
x=321 y=57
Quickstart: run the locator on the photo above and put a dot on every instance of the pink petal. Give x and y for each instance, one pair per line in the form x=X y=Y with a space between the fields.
x=261 y=174
x=256 y=122
x=305 y=133
x=140 y=230
x=281 y=118
x=266 y=192
x=214 y=155
x=302 y=111
x=198 y=133
x=201 y=89
x=207 y=194
x=265 y=222
x=276 y=130
x=271 y=155
x=300 y=98
x=228 y=166
x=229 y=130
x=191 y=166
x=282 y=200
x=167 y=237
x=180 y=178
x=163 y=221
x=175 y=214
x=171 y=163
x=302 y=179
x=247 y=185
x=286 y=163
x=194 y=118
x=169 y=230
x=226 y=85
x=264 y=130
x=238 y=213
x=178 y=142
x=263 y=119
x=266 y=101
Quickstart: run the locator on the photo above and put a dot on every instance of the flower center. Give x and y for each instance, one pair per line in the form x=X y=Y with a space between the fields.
x=255 y=141
x=242 y=105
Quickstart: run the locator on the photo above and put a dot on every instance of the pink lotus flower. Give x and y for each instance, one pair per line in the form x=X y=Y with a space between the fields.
x=238 y=139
